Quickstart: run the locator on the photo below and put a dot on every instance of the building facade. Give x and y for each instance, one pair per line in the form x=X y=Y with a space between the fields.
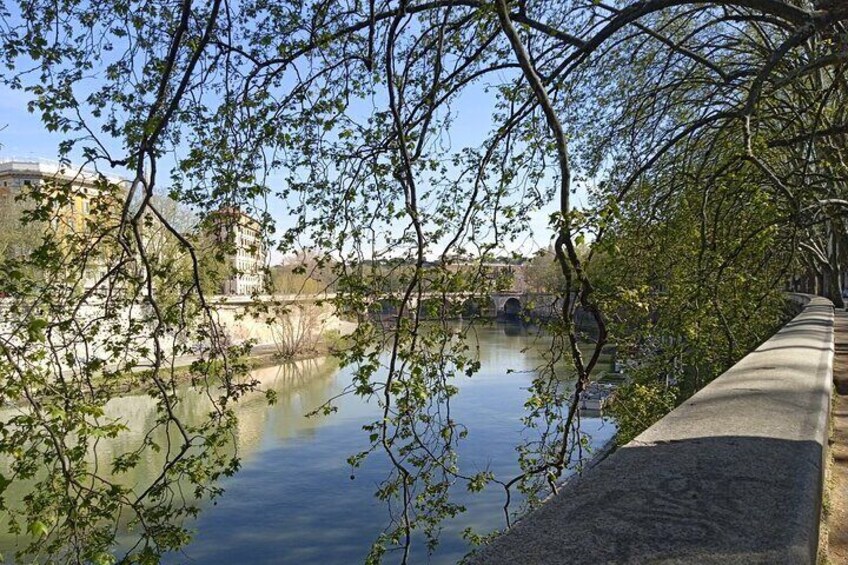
x=88 y=199
x=81 y=187
x=247 y=259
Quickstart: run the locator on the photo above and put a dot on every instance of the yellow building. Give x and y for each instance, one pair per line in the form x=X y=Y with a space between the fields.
x=76 y=189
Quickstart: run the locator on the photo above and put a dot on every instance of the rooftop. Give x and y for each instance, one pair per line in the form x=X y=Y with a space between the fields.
x=51 y=168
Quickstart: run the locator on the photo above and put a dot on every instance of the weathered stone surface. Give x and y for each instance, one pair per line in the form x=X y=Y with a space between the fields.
x=734 y=475
x=835 y=545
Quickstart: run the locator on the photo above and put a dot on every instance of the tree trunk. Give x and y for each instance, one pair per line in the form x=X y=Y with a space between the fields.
x=833 y=270
x=830 y=287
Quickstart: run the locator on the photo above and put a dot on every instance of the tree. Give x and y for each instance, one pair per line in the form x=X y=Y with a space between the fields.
x=684 y=113
x=543 y=274
x=302 y=273
x=17 y=238
x=297 y=329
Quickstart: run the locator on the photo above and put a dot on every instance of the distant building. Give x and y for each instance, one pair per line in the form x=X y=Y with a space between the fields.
x=20 y=175
x=80 y=197
x=248 y=257
x=82 y=191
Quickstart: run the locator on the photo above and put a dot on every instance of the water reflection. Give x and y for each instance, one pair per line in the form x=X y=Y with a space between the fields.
x=294 y=501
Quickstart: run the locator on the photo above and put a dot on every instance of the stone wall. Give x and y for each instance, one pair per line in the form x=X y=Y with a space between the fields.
x=242 y=322
x=733 y=475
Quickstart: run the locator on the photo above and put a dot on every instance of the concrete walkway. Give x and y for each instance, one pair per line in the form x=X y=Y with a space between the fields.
x=837 y=518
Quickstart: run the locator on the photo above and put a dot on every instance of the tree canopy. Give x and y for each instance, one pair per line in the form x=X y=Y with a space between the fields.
x=710 y=136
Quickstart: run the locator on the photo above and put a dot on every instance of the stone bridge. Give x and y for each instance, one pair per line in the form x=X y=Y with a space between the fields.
x=505 y=305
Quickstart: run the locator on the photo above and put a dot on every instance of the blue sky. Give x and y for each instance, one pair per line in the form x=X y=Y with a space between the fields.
x=25 y=137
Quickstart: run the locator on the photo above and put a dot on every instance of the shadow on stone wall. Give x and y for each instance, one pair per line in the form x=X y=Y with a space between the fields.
x=728 y=499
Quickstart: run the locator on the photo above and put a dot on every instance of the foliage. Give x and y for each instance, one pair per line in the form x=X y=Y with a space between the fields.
x=297 y=328
x=17 y=238
x=213 y=262
x=711 y=135
x=543 y=274
x=637 y=406
x=691 y=293
x=288 y=280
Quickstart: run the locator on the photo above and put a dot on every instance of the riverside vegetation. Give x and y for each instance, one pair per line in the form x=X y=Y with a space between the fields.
x=690 y=156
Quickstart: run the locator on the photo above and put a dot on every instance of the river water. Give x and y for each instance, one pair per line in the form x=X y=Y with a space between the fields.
x=293 y=501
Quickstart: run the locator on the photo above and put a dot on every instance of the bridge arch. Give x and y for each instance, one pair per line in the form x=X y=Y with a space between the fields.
x=512 y=307
x=471 y=308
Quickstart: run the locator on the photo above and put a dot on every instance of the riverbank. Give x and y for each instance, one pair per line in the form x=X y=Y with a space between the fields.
x=180 y=368
x=260 y=356
x=329 y=342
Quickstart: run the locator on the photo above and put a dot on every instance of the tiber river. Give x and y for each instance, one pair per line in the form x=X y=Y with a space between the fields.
x=293 y=500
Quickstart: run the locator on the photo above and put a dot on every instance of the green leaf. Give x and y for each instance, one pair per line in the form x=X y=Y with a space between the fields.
x=38 y=529
x=35 y=329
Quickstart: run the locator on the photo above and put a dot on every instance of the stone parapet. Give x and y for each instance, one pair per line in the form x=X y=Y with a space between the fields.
x=733 y=475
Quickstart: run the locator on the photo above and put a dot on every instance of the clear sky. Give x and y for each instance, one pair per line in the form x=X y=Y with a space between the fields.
x=25 y=137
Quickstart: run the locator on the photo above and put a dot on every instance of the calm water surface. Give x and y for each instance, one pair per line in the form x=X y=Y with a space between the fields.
x=294 y=501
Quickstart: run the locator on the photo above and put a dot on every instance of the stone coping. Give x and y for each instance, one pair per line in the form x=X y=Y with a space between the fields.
x=733 y=475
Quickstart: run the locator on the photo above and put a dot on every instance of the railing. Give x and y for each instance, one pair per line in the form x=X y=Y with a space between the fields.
x=733 y=475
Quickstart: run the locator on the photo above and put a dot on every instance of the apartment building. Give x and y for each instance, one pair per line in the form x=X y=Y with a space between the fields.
x=80 y=185
x=248 y=255
x=80 y=198
x=81 y=190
